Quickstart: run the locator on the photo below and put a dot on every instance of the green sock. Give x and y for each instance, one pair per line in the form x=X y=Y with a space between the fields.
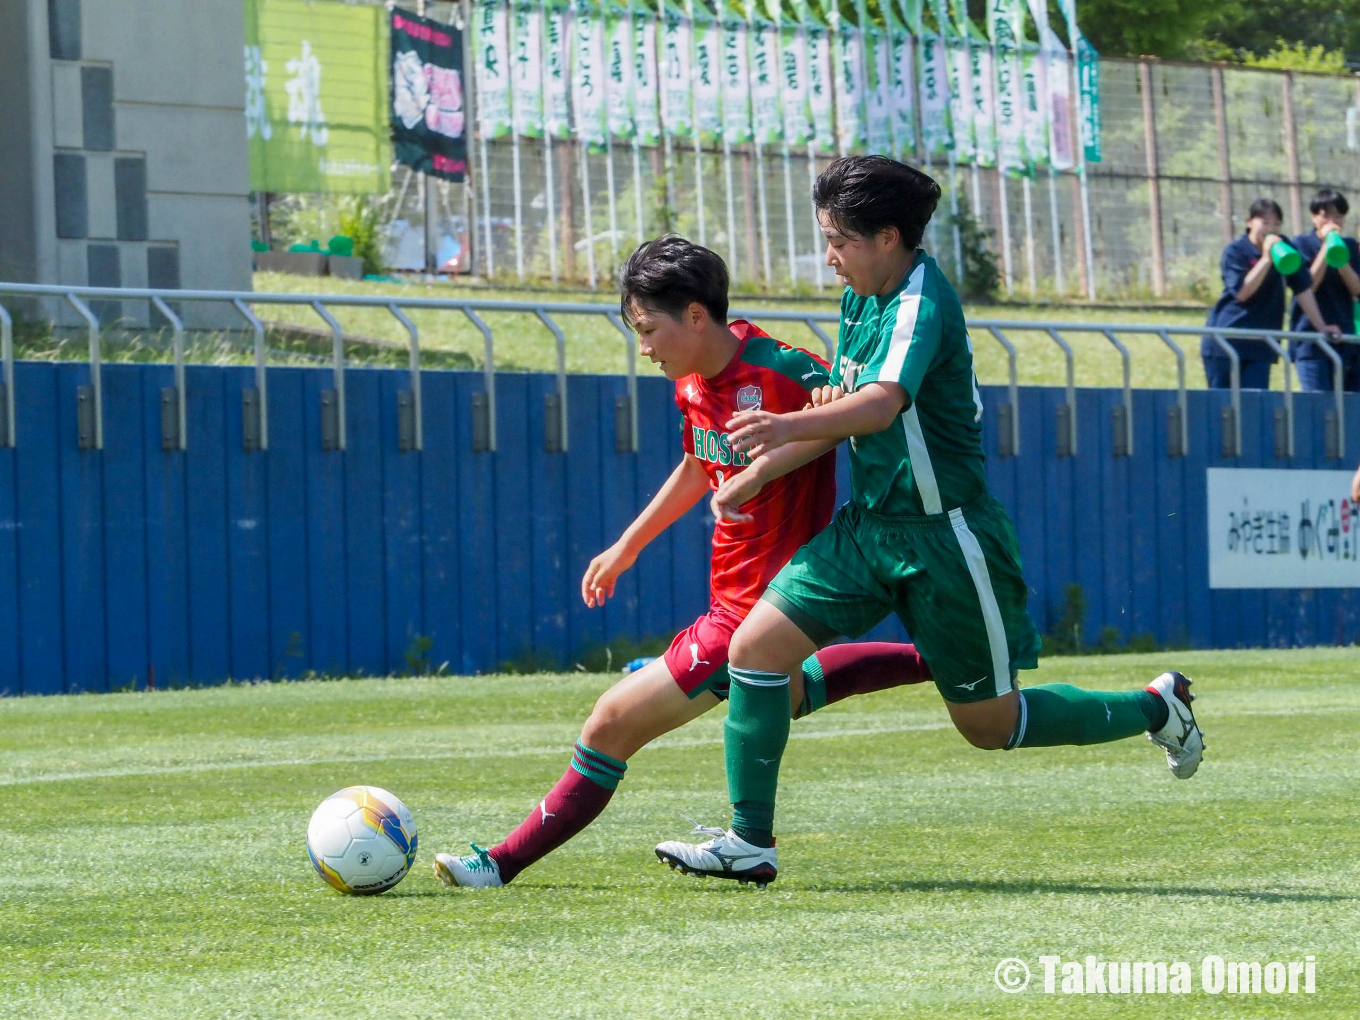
x=1057 y=714
x=754 y=735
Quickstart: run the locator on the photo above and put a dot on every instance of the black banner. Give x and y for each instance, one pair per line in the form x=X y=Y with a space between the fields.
x=429 y=123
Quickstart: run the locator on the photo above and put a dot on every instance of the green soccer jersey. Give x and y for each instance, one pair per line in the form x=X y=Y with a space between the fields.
x=930 y=460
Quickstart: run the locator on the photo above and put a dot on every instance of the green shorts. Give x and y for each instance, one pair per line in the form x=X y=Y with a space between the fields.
x=953 y=579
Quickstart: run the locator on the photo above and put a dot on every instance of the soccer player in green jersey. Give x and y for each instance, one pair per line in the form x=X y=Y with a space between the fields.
x=920 y=536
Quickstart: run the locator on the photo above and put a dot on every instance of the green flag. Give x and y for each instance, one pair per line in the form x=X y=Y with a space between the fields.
x=1088 y=82
x=317 y=97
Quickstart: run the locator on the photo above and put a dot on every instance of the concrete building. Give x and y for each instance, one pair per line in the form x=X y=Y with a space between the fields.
x=122 y=130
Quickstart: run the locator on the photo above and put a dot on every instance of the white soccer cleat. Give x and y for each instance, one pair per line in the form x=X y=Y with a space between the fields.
x=478 y=870
x=1181 y=736
x=725 y=855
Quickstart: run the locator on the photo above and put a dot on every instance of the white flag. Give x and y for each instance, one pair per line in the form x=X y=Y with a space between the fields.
x=527 y=69
x=1058 y=66
x=619 y=70
x=1010 y=139
x=588 y=74
x=847 y=49
x=765 y=106
x=984 y=104
x=961 y=105
x=557 y=80
x=879 y=100
x=903 y=72
x=492 y=56
x=1035 y=107
x=794 y=79
x=735 y=68
x=707 y=79
x=819 y=86
x=676 y=43
x=934 y=93
x=646 y=114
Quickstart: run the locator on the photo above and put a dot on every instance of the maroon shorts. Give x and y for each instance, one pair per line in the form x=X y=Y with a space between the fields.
x=697 y=658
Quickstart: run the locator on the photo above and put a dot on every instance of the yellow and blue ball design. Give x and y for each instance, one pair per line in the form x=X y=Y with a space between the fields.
x=362 y=840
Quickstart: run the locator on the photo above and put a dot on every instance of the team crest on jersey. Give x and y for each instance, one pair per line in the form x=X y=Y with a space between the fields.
x=748 y=398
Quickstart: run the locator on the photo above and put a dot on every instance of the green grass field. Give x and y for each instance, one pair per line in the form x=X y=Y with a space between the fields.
x=156 y=865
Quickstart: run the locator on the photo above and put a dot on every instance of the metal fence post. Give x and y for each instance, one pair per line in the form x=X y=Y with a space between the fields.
x=1232 y=418
x=1154 y=181
x=484 y=413
x=7 y=433
x=93 y=436
x=631 y=348
x=558 y=443
x=333 y=411
x=1068 y=411
x=179 y=440
x=1123 y=444
x=254 y=408
x=416 y=439
x=1178 y=433
x=1008 y=438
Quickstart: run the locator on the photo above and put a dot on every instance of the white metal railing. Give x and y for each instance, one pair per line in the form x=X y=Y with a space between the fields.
x=255 y=406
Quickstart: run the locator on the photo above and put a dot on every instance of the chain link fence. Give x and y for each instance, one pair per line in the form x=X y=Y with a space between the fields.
x=1186 y=149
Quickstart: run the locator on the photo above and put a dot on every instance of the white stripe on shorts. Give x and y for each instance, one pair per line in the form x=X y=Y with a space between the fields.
x=991 y=612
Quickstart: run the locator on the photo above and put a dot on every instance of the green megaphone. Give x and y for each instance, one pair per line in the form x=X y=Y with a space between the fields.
x=1338 y=252
x=1286 y=258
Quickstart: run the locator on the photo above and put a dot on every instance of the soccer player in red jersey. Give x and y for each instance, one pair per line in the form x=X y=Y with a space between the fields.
x=674 y=295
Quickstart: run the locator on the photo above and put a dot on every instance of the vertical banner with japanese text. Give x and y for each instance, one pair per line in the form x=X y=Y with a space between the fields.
x=526 y=68
x=588 y=74
x=646 y=89
x=676 y=63
x=491 y=53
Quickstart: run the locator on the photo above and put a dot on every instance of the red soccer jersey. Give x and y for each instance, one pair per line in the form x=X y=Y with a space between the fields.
x=772 y=376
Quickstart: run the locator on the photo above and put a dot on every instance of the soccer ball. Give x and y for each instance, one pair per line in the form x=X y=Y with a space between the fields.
x=362 y=840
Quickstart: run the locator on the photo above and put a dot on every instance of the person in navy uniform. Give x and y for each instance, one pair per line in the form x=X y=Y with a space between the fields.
x=1253 y=298
x=1335 y=290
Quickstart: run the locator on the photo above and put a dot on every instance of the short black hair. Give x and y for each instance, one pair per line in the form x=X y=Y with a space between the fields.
x=1264 y=207
x=1329 y=198
x=863 y=195
x=668 y=274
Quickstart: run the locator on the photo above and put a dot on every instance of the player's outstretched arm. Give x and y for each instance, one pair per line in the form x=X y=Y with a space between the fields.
x=686 y=486
x=871 y=408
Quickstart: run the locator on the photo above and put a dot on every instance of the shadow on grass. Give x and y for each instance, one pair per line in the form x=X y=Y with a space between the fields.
x=935 y=886
x=1078 y=888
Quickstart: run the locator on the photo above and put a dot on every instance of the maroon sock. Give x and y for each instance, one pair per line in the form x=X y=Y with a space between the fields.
x=576 y=801
x=859 y=668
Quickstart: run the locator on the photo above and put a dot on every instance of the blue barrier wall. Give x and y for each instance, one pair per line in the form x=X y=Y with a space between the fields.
x=134 y=565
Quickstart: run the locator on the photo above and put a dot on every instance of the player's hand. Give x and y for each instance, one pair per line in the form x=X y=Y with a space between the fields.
x=756 y=433
x=740 y=488
x=824 y=395
x=603 y=573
